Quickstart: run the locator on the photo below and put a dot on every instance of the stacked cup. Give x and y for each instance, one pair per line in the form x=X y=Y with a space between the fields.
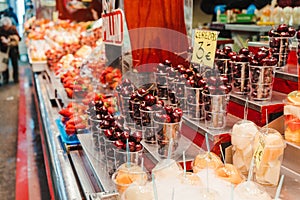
x=280 y=42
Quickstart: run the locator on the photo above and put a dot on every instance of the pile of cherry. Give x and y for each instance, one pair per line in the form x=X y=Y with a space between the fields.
x=279 y=42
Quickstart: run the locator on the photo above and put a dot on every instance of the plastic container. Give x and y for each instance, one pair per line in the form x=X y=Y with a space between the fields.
x=269 y=149
x=215 y=108
x=240 y=82
x=242 y=139
x=292 y=117
x=165 y=132
x=261 y=82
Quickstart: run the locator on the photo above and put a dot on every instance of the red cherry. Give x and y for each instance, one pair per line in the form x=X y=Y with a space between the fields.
x=119 y=144
x=298 y=34
x=241 y=58
x=137 y=136
x=178 y=111
x=291 y=31
x=131 y=145
x=282 y=28
x=227 y=49
x=138 y=147
x=244 y=51
x=284 y=34
x=168 y=109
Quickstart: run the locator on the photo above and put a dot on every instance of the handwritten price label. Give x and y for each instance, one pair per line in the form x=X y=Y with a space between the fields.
x=205 y=44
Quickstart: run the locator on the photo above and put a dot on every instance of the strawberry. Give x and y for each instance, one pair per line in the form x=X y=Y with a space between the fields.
x=69 y=92
x=70 y=131
x=65 y=112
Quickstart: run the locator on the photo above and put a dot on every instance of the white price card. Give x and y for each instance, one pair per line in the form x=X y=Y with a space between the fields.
x=205 y=44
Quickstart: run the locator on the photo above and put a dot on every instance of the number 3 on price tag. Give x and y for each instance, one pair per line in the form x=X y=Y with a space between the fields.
x=205 y=44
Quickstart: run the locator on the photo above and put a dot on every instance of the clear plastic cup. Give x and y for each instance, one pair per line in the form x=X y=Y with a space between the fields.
x=224 y=68
x=240 y=82
x=280 y=49
x=261 y=82
x=93 y=126
x=166 y=169
x=164 y=133
x=109 y=155
x=215 y=108
x=242 y=139
x=194 y=105
x=137 y=192
x=268 y=155
x=127 y=175
x=250 y=190
x=121 y=156
x=292 y=117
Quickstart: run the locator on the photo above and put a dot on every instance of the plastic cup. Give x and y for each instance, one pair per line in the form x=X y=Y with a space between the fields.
x=137 y=192
x=125 y=105
x=148 y=126
x=292 y=118
x=280 y=49
x=126 y=176
x=242 y=139
x=215 y=108
x=250 y=190
x=240 y=80
x=121 y=157
x=269 y=146
x=194 y=104
x=166 y=169
x=164 y=133
x=94 y=124
x=261 y=82
x=109 y=155
x=161 y=78
x=224 y=68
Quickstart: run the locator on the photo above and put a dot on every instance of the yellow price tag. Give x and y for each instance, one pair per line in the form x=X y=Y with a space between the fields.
x=205 y=44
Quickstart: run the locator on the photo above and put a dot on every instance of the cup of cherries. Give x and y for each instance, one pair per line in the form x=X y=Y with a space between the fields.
x=168 y=122
x=240 y=68
x=280 y=40
x=262 y=72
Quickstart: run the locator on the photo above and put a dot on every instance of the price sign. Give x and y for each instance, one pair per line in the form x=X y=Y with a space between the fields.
x=205 y=44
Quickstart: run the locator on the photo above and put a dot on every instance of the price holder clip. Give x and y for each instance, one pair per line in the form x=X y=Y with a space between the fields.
x=205 y=44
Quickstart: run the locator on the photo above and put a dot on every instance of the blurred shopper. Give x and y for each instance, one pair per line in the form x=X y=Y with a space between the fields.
x=213 y=6
x=9 y=41
x=9 y=12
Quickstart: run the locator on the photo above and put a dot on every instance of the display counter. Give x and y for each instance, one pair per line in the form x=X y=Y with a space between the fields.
x=77 y=173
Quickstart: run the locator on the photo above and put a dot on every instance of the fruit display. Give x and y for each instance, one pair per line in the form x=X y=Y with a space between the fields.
x=279 y=42
x=269 y=148
x=292 y=117
x=242 y=139
x=262 y=74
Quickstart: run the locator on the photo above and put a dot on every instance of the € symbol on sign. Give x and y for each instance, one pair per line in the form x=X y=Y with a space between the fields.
x=200 y=53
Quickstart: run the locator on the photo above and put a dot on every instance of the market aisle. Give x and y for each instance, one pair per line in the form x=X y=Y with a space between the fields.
x=22 y=171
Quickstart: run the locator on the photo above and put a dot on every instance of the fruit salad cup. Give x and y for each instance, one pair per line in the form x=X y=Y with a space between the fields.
x=269 y=148
x=292 y=117
x=242 y=139
x=280 y=49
